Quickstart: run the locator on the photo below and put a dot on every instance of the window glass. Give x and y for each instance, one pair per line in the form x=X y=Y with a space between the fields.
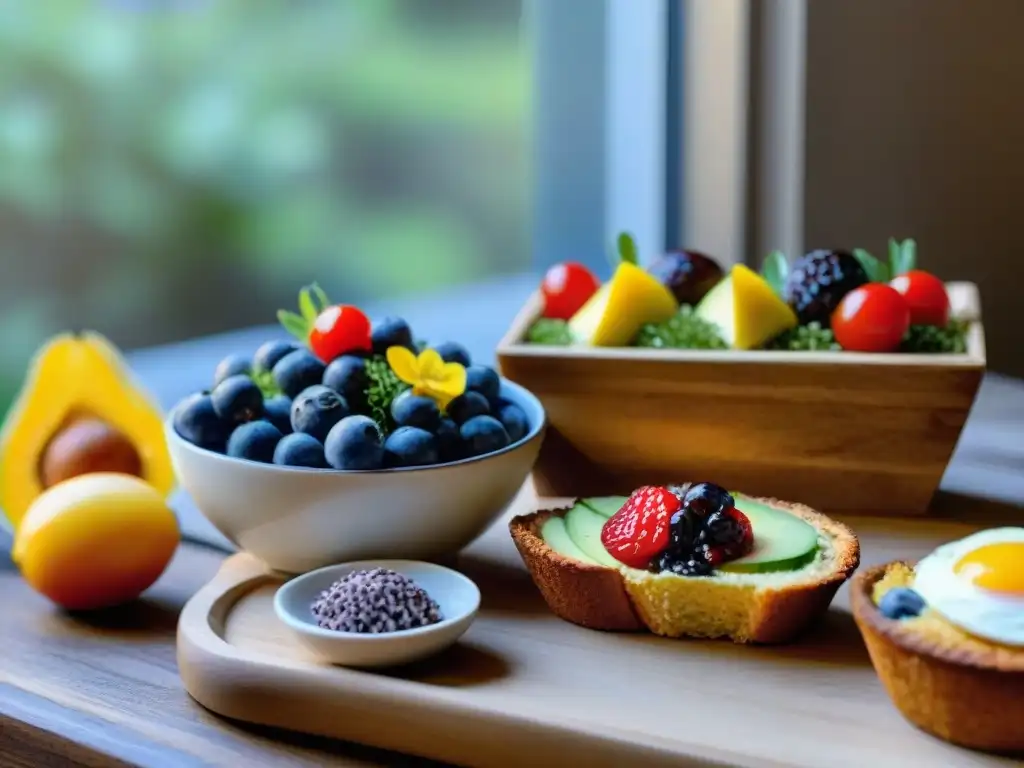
x=175 y=168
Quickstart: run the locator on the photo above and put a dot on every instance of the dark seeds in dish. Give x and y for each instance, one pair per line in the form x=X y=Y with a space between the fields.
x=374 y=602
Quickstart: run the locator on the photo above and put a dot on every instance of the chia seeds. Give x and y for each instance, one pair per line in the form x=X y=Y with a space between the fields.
x=373 y=602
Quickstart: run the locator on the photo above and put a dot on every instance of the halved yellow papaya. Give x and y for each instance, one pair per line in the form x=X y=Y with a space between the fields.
x=79 y=411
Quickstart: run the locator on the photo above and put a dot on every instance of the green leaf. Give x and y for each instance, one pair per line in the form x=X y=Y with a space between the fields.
x=294 y=324
x=627 y=249
x=775 y=269
x=321 y=298
x=876 y=270
x=902 y=257
x=307 y=307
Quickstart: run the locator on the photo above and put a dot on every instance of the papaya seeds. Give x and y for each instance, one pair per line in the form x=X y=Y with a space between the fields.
x=87 y=444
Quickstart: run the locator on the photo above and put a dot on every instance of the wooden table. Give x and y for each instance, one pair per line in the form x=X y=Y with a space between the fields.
x=104 y=690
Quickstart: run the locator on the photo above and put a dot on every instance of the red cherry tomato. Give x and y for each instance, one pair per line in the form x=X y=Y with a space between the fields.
x=872 y=318
x=926 y=295
x=339 y=329
x=566 y=288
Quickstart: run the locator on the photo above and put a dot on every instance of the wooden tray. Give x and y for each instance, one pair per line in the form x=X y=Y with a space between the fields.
x=525 y=688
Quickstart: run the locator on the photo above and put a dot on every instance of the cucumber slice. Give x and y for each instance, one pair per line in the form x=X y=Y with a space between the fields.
x=584 y=526
x=605 y=506
x=782 y=542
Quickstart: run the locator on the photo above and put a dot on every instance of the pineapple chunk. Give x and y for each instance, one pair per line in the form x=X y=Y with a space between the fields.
x=614 y=315
x=746 y=309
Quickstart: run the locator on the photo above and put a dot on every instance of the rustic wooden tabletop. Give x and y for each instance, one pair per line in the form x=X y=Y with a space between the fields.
x=103 y=690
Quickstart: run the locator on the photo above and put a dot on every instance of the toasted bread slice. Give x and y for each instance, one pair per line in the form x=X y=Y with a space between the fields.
x=769 y=607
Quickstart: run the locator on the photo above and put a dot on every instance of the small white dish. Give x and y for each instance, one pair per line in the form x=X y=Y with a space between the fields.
x=456 y=595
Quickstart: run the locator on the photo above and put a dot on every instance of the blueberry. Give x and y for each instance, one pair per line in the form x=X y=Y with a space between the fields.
x=300 y=450
x=347 y=376
x=296 y=371
x=467 y=405
x=270 y=354
x=354 y=443
x=255 y=440
x=410 y=447
x=706 y=498
x=409 y=410
x=391 y=332
x=483 y=434
x=683 y=529
x=237 y=399
x=513 y=418
x=316 y=410
x=232 y=365
x=480 y=378
x=198 y=423
x=449 y=441
x=453 y=352
x=278 y=411
x=901 y=603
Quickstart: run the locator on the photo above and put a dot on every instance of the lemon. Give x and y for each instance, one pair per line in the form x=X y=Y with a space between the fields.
x=96 y=540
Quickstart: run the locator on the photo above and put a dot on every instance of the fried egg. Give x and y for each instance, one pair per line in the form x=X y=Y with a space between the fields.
x=977 y=583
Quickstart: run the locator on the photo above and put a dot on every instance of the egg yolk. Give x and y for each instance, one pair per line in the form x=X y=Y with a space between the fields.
x=995 y=567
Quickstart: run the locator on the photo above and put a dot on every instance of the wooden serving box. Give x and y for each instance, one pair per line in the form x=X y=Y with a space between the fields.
x=839 y=431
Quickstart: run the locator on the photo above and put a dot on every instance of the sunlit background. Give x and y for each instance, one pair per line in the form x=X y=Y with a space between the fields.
x=166 y=173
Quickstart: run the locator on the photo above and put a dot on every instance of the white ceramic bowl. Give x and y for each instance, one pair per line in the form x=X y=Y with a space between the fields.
x=297 y=519
x=457 y=597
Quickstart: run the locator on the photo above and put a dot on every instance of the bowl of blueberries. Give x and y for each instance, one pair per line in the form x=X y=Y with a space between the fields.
x=353 y=440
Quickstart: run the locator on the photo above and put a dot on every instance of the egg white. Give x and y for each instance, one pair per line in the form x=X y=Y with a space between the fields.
x=999 y=618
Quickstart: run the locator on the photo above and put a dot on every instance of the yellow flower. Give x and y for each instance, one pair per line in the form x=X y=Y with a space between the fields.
x=429 y=375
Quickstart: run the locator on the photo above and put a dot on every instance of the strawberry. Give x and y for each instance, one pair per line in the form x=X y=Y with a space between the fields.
x=640 y=530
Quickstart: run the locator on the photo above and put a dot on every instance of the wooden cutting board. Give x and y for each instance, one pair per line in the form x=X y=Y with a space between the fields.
x=523 y=687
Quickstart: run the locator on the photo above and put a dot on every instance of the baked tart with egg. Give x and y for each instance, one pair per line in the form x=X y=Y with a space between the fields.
x=946 y=637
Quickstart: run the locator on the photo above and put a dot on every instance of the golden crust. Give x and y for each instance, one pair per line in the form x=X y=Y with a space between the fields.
x=965 y=694
x=595 y=596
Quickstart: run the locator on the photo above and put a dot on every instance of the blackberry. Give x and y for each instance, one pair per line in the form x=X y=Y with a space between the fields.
x=819 y=281
x=693 y=565
x=723 y=530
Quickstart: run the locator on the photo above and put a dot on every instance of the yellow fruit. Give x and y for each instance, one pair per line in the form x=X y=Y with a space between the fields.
x=614 y=315
x=746 y=309
x=96 y=540
x=79 y=411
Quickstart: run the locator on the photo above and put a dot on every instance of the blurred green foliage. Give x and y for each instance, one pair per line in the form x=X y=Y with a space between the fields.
x=171 y=171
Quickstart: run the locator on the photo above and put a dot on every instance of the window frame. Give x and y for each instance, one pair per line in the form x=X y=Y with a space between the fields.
x=680 y=121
